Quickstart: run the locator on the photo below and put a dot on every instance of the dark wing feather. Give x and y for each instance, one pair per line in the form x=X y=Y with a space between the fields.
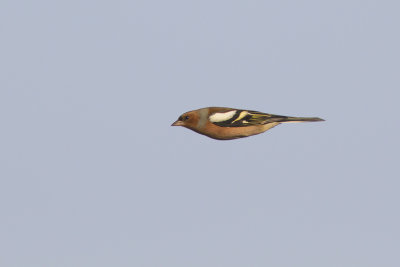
x=244 y=118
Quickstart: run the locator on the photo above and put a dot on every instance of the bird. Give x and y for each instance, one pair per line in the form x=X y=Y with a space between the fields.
x=223 y=123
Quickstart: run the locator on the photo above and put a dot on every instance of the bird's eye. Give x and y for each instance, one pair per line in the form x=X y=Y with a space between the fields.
x=183 y=118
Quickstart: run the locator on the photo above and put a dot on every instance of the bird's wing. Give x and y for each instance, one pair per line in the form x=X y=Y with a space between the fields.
x=242 y=118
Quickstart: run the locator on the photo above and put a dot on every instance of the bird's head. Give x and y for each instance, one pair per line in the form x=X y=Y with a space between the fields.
x=188 y=120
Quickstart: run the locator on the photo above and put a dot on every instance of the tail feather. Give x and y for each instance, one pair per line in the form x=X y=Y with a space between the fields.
x=301 y=119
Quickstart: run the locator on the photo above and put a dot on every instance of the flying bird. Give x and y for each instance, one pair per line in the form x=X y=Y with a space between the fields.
x=229 y=123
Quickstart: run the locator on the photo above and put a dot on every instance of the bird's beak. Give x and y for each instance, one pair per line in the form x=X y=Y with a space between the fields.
x=177 y=123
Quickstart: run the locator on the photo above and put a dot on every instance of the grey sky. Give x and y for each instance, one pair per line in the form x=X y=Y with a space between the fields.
x=92 y=174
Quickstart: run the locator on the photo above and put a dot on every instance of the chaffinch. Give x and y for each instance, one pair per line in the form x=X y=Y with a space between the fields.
x=229 y=123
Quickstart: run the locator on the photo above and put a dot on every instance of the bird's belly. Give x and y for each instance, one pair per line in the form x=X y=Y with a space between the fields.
x=228 y=133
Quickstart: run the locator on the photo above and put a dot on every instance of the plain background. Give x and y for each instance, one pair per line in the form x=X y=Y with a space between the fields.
x=92 y=174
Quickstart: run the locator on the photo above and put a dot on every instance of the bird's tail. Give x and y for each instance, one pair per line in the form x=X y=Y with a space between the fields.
x=300 y=119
